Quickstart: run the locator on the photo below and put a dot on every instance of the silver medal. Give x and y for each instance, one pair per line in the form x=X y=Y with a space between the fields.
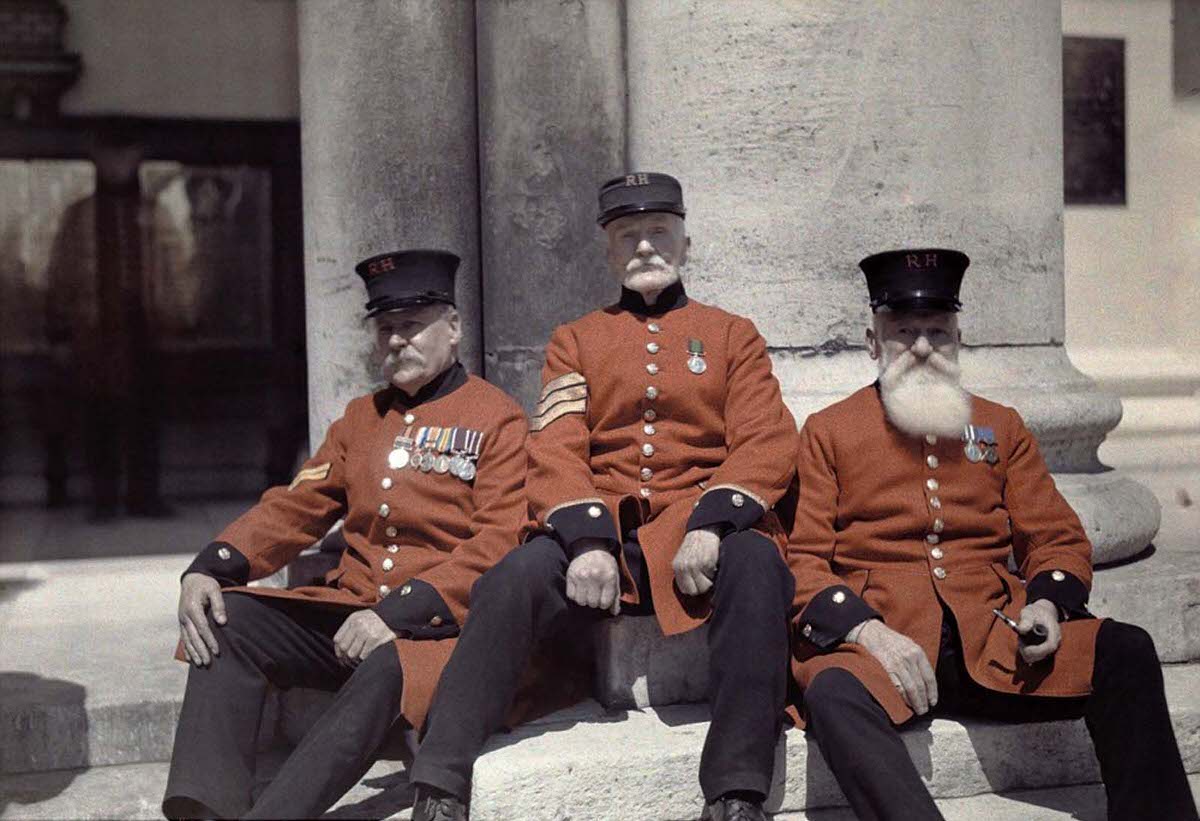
x=427 y=460
x=468 y=472
x=456 y=465
x=441 y=464
x=971 y=449
x=991 y=457
x=398 y=459
x=697 y=365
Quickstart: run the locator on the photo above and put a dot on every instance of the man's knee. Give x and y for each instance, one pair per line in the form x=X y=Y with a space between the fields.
x=535 y=567
x=240 y=613
x=1125 y=647
x=832 y=693
x=380 y=669
x=751 y=561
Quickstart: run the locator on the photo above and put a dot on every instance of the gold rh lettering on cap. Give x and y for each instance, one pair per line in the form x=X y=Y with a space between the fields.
x=931 y=260
x=381 y=265
x=912 y=260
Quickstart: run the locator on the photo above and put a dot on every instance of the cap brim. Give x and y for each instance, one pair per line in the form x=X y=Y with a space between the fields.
x=640 y=208
x=921 y=303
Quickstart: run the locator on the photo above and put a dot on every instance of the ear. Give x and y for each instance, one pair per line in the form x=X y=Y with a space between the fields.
x=455 y=323
x=872 y=344
x=683 y=255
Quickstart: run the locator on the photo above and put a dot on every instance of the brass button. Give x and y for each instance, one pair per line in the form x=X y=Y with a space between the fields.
x=935 y=503
x=932 y=484
x=647 y=449
x=652 y=347
x=647 y=474
x=404 y=591
x=409 y=419
x=388 y=564
x=223 y=553
x=807 y=631
x=839 y=596
x=645 y=492
x=393 y=548
x=595 y=512
x=939 y=572
x=1058 y=576
x=386 y=483
x=936 y=553
x=933 y=538
x=384 y=590
x=649 y=414
x=384 y=510
x=931 y=439
x=737 y=500
x=652 y=369
x=649 y=430
x=932 y=461
x=651 y=392
x=653 y=328
x=938 y=525
x=391 y=531
x=436 y=621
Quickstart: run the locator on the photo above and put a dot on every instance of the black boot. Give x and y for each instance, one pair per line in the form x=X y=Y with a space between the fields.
x=432 y=804
x=729 y=809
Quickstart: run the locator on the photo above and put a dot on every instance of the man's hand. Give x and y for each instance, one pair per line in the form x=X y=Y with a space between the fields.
x=593 y=579
x=1045 y=613
x=362 y=632
x=905 y=663
x=696 y=562
x=196 y=592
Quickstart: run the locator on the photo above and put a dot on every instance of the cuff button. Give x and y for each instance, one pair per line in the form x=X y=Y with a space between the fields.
x=224 y=553
x=737 y=500
x=1058 y=576
x=404 y=591
x=839 y=596
x=436 y=621
x=807 y=630
x=594 y=511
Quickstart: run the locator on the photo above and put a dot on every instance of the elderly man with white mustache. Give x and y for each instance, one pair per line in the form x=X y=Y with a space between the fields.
x=913 y=495
x=658 y=447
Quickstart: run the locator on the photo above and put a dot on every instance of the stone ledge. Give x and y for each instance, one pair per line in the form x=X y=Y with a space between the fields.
x=646 y=762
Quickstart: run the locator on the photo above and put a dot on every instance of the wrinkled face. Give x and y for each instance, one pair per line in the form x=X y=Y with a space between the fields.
x=923 y=333
x=646 y=251
x=415 y=344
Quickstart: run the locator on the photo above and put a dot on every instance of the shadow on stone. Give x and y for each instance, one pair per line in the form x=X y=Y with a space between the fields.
x=44 y=727
x=11 y=588
x=395 y=794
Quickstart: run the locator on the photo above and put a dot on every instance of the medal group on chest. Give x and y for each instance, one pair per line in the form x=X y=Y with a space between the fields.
x=433 y=449
x=980 y=444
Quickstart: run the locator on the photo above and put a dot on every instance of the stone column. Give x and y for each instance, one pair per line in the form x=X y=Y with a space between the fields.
x=388 y=133
x=809 y=135
x=551 y=128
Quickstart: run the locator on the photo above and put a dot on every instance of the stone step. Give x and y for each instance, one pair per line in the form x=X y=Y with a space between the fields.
x=582 y=763
x=133 y=791
x=87 y=676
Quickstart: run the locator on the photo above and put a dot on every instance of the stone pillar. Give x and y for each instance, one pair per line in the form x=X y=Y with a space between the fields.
x=388 y=137
x=551 y=128
x=810 y=135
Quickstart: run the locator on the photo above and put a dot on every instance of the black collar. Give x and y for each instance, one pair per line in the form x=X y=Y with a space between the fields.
x=446 y=382
x=672 y=297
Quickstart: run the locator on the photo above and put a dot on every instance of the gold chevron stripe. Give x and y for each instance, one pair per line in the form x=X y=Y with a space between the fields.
x=564 y=381
x=314 y=474
x=557 y=411
x=561 y=395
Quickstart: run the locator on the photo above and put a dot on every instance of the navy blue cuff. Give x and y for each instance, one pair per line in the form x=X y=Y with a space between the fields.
x=586 y=520
x=223 y=562
x=833 y=613
x=417 y=611
x=1066 y=591
x=727 y=508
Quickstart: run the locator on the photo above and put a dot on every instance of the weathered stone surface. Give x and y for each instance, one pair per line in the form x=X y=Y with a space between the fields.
x=387 y=113
x=646 y=762
x=551 y=129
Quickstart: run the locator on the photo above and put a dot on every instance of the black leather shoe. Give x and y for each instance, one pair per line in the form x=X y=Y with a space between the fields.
x=729 y=809
x=429 y=806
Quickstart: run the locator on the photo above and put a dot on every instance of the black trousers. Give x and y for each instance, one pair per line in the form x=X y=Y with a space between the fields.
x=288 y=644
x=1126 y=715
x=522 y=601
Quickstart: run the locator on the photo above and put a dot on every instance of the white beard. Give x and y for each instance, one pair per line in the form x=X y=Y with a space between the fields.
x=923 y=398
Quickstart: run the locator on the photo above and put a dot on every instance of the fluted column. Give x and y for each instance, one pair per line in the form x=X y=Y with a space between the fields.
x=809 y=135
x=388 y=137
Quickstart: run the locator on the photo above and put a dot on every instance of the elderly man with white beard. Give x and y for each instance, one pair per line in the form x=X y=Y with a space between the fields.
x=913 y=496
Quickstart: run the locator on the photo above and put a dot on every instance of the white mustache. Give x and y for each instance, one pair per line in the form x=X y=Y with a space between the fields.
x=637 y=263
